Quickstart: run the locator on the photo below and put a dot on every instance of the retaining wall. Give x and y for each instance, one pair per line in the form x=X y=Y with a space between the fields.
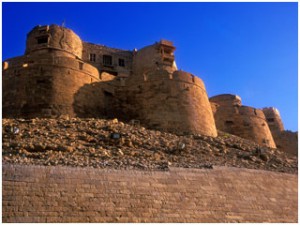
x=64 y=194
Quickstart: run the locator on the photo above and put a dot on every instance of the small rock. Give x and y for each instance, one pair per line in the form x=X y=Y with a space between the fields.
x=264 y=157
x=223 y=150
x=128 y=143
x=120 y=152
x=115 y=120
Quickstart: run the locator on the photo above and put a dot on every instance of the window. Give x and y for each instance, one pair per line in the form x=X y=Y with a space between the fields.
x=121 y=62
x=193 y=78
x=107 y=60
x=42 y=40
x=80 y=65
x=93 y=57
x=228 y=122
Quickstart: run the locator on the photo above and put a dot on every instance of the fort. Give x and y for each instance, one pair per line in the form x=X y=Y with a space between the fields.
x=216 y=162
x=60 y=74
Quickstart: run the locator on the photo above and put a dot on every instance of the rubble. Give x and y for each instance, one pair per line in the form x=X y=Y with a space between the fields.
x=103 y=143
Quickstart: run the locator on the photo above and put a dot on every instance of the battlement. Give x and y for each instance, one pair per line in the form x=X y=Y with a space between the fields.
x=251 y=111
x=182 y=76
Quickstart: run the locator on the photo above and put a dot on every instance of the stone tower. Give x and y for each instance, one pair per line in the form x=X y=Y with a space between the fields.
x=285 y=140
x=42 y=83
x=244 y=121
x=165 y=98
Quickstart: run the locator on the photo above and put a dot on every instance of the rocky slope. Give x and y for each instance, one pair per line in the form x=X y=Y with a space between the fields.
x=110 y=143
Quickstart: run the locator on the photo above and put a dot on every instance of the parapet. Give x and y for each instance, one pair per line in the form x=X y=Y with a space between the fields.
x=15 y=65
x=188 y=78
x=227 y=100
x=53 y=36
x=251 y=111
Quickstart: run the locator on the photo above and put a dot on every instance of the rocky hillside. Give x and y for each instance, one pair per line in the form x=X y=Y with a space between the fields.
x=110 y=143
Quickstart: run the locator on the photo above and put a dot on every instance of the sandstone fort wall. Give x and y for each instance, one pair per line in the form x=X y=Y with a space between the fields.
x=36 y=86
x=171 y=102
x=286 y=141
x=65 y=194
x=273 y=119
x=244 y=121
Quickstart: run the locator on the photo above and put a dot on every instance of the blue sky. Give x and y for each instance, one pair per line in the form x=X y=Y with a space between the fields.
x=248 y=49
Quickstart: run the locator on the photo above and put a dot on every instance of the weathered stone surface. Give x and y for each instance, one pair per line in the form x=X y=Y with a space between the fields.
x=63 y=194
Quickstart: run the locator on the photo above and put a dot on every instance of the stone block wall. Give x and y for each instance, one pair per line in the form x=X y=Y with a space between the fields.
x=65 y=194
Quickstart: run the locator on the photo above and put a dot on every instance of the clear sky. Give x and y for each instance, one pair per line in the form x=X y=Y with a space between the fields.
x=248 y=49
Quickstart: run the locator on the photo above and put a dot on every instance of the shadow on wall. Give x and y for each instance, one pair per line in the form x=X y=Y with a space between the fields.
x=95 y=100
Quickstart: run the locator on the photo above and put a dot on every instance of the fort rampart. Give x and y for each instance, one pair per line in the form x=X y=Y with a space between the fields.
x=64 y=194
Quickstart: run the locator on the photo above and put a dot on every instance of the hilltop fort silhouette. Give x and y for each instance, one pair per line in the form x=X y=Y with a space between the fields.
x=60 y=74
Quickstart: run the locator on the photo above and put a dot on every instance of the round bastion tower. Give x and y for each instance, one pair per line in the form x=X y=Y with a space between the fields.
x=243 y=121
x=43 y=82
x=164 y=98
x=274 y=119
